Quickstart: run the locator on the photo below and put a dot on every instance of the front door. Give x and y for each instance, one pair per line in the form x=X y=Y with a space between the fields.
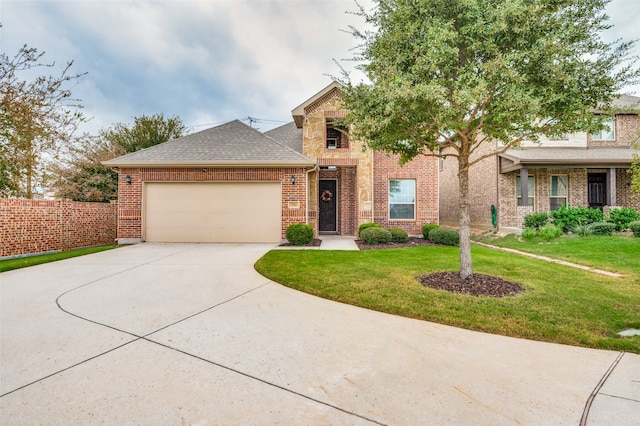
x=328 y=206
x=597 y=189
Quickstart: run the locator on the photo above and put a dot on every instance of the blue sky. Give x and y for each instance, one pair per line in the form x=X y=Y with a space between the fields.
x=208 y=61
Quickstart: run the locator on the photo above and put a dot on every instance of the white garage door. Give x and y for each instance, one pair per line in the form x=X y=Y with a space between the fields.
x=213 y=212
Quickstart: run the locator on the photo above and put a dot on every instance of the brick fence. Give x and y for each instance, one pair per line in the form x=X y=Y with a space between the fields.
x=36 y=226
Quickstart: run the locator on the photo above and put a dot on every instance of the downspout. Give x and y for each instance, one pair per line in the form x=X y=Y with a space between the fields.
x=373 y=193
x=497 y=227
x=306 y=201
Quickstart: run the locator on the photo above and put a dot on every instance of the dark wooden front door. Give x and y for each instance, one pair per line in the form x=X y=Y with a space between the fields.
x=597 y=189
x=328 y=206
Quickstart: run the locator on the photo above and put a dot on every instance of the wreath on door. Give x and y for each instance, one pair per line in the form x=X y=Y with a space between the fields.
x=326 y=196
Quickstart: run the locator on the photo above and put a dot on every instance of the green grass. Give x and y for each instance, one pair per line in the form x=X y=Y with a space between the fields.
x=23 y=262
x=616 y=254
x=560 y=304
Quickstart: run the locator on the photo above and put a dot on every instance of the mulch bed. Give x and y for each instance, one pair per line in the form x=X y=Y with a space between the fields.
x=314 y=243
x=477 y=285
x=411 y=242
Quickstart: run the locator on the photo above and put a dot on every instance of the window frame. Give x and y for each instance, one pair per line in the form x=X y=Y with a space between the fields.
x=611 y=122
x=557 y=197
x=404 y=203
x=338 y=135
x=532 y=188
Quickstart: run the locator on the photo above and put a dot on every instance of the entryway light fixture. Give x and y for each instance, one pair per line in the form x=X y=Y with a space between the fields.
x=293 y=180
x=127 y=179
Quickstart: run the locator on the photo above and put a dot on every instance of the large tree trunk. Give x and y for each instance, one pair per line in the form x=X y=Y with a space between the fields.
x=466 y=269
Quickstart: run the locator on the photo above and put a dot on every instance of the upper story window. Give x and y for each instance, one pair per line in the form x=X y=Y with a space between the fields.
x=608 y=133
x=402 y=199
x=337 y=136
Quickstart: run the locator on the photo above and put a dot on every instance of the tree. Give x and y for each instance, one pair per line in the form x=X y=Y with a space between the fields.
x=83 y=177
x=36 y=116
x=448 y=76
x=634 y=170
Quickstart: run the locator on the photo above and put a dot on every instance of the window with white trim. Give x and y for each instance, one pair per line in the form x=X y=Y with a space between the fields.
x=402 y=199
x=532 y=190
x=336 y=136
x=608 y=133
x=559 y=191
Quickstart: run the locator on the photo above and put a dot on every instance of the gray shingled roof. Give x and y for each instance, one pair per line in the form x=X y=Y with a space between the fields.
x=289 y=135
x=515 y=159
x=230 y=144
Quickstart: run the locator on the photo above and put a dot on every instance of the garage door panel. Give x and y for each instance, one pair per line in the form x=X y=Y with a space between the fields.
x=213 y=212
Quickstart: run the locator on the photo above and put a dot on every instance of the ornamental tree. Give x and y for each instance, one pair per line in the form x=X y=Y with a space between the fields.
x=448 y=76
x=37 y=115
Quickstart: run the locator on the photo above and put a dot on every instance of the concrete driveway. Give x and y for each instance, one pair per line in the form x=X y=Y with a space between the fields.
x=190 y=334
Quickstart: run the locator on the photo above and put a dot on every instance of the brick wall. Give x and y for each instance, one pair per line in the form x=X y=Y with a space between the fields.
x=626 y=131
x=130 y=195
x=425 y=171
x=36 y=226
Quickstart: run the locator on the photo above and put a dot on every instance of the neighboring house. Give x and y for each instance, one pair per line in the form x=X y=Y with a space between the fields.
x=232 y=183
x=577 y=169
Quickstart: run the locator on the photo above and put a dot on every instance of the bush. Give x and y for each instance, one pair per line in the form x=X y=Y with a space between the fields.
x=635 y=228
x=426 y=228
x=602 y=228
x=375 y=235
x=299 y=234
x=622 y=217
x=529 y=234
x=444 y=236
x=398 y=235
x=536 y=220
x=568 y=217
x=550 y=232
x=365 y=226
x=582 y=230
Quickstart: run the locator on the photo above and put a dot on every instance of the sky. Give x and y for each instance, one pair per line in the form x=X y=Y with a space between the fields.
x=207 y=62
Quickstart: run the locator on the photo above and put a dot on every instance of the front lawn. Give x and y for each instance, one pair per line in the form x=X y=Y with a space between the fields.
x=560 y=304
x=23 y=262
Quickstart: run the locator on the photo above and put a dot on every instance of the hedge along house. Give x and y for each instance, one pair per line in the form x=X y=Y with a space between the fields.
x=229 y=183
x=578 y=169
x=232 y=183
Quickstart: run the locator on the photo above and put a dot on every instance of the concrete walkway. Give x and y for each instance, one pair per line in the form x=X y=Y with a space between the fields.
x=170 y=334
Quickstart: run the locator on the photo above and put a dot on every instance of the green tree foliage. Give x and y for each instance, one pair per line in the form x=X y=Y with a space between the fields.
x=83 y=177
x=37 y=116
x=446 y=77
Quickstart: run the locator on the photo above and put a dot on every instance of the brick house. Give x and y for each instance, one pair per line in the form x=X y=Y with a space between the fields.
x=578 y=169
x=232 y=183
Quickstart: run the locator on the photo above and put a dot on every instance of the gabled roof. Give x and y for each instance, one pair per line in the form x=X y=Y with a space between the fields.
x=230 y=144
x=289 y=135
x=299 y=111
x=624 y=104
x=515 y=159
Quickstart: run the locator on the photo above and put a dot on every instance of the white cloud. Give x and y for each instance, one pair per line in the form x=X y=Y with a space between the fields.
x=205 y=61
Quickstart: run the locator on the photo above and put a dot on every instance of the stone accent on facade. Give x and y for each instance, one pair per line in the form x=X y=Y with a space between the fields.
x=37 y=226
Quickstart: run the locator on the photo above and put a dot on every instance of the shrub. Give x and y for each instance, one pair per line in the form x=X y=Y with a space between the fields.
x=635 y=228
x=375 y=235
x=365 y=226
x=299 y=234
x=602 y=228
x=444 y=236
x=567 y=217
x=529 y=234
x=549 y=232
x=398 y=235
x=427 y=227
x=582 y=230
x=622 y=217
x=536 y=220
